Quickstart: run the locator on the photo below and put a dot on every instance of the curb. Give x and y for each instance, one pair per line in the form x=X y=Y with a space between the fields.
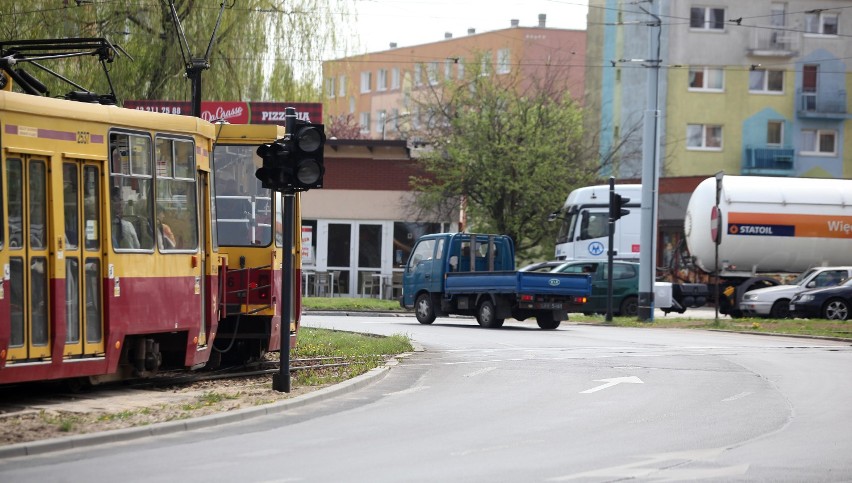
x=211 y=420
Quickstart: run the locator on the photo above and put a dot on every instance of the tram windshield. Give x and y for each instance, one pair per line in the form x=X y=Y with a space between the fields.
x=243 y=207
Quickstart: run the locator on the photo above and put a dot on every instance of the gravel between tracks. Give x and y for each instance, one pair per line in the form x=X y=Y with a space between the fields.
x=106 y=409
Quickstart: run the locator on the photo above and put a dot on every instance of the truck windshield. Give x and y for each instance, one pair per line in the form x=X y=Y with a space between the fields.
x=423 y=251
x=567 y=228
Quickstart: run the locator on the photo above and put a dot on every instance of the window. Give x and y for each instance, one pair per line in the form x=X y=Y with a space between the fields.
x=704 y=136
x=366 y=81
x=176 y=227
x=707 y=18
x=341 y=86
x=395 y=78
x=819 y=141
x=380 y=121
x=775 y=133
x=395 y=119
x=593 y=225
x=418 y=74
x=432 y=72
x=485 y=64
x=448 y=69
x=762 y=80
x=365 y=122
x=821 y=23
x=422 y=252
x=460 y=69
x=131 y=191
x=382 y=80
x=503 y=59
x=809 y=77
x=329 y=87
x=706 y=79
x=404 y=237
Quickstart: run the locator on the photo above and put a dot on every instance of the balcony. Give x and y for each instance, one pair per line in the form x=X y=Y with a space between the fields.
x=768 y=161
x=821 y=105
x=773 y=41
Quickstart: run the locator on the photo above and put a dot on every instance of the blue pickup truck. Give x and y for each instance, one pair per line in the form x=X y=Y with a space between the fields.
x=474 y=274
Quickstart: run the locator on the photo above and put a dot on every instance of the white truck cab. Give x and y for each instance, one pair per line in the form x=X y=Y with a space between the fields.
x=774 y=301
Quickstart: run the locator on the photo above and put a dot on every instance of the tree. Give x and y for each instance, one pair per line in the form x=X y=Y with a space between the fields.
x=264 y=50
x=509 y=155
x=343 y=126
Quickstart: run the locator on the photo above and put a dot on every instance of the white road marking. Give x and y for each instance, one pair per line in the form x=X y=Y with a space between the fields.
x=612 y=382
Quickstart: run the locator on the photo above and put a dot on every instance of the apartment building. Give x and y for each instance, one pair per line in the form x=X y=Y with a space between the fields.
x=748 y=88
x=751 y=88
x=377 y=89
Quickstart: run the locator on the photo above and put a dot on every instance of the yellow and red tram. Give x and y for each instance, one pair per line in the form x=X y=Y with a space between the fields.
x=109 y=244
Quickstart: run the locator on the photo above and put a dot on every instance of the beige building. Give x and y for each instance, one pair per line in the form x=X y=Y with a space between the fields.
x=376 y=89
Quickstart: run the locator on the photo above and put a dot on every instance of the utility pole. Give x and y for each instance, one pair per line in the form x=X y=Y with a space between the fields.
x=650 y=174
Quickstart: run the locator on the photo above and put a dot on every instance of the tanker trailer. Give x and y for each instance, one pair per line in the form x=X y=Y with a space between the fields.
x=767 y=225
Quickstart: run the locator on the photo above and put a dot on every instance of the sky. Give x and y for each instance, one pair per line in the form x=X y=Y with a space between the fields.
x=414 y=22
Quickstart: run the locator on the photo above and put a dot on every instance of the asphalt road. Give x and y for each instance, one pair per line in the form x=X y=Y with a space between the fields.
x=582 y=403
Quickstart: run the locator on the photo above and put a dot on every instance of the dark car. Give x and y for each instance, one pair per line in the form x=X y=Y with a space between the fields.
x=625 y=285
x=825 y=303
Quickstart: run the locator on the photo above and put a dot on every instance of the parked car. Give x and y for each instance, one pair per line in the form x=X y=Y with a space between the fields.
x=827 y=303
x=625 y=285
x=541 y=266
x=774 y=301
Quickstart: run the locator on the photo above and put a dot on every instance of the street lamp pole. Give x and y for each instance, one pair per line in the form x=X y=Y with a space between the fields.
x=650 y=174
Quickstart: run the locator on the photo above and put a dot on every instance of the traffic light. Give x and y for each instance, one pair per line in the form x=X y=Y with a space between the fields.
x=308 y=141
x=294 y=162
x=271 y=173
x=616 y=206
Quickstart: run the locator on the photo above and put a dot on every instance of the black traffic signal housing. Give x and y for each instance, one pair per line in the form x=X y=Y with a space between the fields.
x=294 y=162
x=616 y=206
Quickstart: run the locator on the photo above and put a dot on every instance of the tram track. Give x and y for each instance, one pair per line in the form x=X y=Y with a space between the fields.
x=160 y=389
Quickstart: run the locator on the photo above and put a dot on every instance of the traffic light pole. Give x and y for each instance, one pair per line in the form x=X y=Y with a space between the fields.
x=281 y=383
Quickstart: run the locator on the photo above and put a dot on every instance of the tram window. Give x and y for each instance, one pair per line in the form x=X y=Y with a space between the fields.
x=38 y=301
x=177 y=209
x=244 y=211
x=93 y=300
x=72 y=300
x=16 y=203
x=16 y=298
x=37 y=204
x=91 y=207
x=131 y=189
x=70 y=199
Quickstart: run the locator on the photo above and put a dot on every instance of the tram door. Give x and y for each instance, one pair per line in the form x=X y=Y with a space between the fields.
x=26 y=179
x=201 y=195
x=83 y=267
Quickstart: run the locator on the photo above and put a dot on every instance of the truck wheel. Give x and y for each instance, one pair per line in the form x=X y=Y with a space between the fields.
x=836 y=309
x=780 y=309
x=424 y=310
x=487 y=315
x=546 y=321
x=629 y=307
